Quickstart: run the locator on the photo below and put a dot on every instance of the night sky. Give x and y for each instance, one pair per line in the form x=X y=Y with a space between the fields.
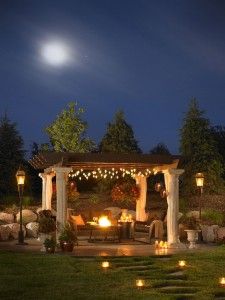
x=145 y=57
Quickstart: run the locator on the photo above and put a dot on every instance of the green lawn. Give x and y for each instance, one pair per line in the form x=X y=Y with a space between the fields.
x=37 y=276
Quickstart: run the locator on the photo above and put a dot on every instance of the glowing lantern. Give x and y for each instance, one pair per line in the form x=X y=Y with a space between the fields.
x=182 y=263
x=140 y=283
x=199 y=177
x=105 y=264
x=222 y=281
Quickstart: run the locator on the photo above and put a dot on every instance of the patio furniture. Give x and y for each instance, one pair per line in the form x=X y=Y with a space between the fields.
x=98 y=232
x=126 y=229
x=152 y=228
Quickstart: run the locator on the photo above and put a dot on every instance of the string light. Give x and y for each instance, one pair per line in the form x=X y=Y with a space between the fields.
x=110 y=173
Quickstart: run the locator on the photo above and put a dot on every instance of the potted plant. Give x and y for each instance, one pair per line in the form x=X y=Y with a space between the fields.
x=47 y=226
x=192 y=230
x=50 y=244
x=67 y=238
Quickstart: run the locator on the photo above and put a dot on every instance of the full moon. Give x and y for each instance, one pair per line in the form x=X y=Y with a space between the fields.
x=55 y=53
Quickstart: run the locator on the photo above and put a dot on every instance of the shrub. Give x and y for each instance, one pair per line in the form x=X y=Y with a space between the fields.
x=212 y=217
x=47 y=222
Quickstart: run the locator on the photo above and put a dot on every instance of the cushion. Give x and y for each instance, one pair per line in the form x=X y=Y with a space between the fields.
x=78 y=220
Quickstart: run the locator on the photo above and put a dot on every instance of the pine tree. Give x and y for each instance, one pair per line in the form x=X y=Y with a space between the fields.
x=68 y=131
x=199 y=152
x=11 y=155
x=160 y=148
x=119 y=136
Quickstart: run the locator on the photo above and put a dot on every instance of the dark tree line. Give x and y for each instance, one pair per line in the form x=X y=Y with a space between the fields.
x=202 y=147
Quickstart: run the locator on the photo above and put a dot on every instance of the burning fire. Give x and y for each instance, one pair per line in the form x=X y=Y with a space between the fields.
x=104 y=222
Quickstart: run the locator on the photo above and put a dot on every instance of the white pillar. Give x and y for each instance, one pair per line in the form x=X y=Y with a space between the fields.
x=141 y=182
x=43 y=176
x=172 y=188
x=61 y=195
x=48 y=195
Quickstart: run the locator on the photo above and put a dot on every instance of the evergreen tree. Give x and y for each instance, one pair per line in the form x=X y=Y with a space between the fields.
x=11 y=155
x=218 y=133
x=199 y=151
x=68 y=131
x=119 y=137
x=160 y=148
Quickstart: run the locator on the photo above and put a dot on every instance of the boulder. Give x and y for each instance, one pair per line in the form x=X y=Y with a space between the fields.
x=27 y=216
x=116 y=211
x=209 y=233
x=4 y=232
x=221 y=233
x=14 y=230
x=6 y=218
x=32 y=229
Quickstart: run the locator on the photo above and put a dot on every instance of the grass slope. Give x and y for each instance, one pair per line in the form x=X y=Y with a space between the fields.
x=37 y=276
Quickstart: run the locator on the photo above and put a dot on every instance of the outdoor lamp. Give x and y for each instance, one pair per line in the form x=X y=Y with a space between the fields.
x=158 y=186
x=105 y=264
x=199 y=177
x=182 y=263
x=222 y=281
x=140 y=283
x=20 y=177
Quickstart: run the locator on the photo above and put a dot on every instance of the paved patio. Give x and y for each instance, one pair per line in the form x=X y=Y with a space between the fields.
x=103 y=248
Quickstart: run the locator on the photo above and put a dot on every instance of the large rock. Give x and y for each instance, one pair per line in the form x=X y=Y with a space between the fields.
x=209 y=233
x=27 y=216
x=6 y=218
x=32 y=229
x=4 y=232
x=221 y=233
x=116 y=211
x=14 y=230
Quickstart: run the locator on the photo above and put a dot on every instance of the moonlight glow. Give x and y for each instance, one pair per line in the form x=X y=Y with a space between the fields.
x=55 y=53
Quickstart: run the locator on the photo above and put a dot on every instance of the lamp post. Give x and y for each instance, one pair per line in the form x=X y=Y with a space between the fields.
x=20 y=177
x=199 y=177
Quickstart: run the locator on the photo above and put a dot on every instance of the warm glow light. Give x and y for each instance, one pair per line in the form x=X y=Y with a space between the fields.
x=20 y=177
x=158 y=186
x=222 y=281
x=104 y=222
x=105 y=264
x=199 y=177
x=182 y=263
x=140 y=283
x=55 y=53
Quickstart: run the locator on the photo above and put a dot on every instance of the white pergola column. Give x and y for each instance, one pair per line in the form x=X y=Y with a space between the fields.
x=48 y=194
x=172 y=187
x=61 y=195
x=43 y=176
x=141 y=182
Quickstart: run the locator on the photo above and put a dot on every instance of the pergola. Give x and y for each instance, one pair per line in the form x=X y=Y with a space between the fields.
x=140 y=166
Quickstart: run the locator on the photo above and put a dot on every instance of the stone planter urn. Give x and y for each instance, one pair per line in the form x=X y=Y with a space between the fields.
x=192 y=237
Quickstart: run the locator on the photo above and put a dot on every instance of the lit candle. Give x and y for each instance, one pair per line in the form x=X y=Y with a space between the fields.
x=156 y=244
x=165 y=245
x=222 y=281
x=182 y=263
x=140 y=283
x=161 y=243
x=105 y=264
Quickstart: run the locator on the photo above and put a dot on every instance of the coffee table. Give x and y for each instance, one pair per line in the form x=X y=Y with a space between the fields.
x=96 y=230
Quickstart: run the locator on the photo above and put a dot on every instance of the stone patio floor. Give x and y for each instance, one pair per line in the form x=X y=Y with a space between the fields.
x=84 y=248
